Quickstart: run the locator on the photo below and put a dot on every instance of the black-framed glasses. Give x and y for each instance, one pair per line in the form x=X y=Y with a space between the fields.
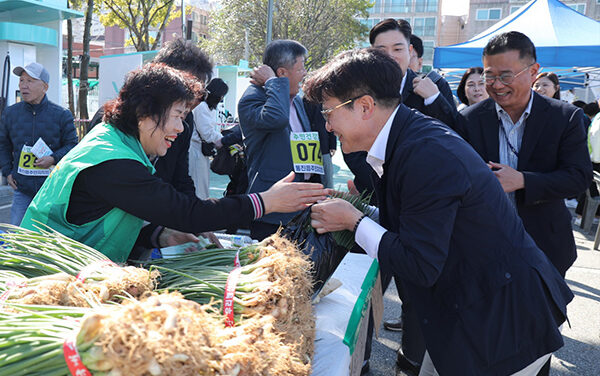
x=505 y=78
x=328 y=111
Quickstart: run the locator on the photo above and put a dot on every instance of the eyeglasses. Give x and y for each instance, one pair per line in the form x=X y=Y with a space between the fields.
x=505 y=78
x=328 y=111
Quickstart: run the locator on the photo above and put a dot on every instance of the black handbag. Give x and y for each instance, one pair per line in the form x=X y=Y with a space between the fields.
x=208 y=148
x=223 y=162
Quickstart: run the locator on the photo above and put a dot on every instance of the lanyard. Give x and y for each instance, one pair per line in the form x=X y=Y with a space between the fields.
x=512 y=148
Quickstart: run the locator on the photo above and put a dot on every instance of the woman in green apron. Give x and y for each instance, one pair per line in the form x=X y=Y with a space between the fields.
x=104 y=189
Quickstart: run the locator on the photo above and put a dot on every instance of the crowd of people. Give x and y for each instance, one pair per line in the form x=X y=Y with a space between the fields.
x=470 y=218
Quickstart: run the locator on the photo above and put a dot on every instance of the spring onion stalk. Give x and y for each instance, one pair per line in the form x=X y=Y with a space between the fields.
x=35 y=254
x=209 y=257
x=31 y=342
x=277 y=284
x=277 y=268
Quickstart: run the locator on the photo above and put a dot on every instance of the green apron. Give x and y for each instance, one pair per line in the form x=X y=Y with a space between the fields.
x=114 y=233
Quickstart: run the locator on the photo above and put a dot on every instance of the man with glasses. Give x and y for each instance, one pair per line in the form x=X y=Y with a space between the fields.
x=536 y=146
x=431 y=96
x=276 y=128
x=488 y=301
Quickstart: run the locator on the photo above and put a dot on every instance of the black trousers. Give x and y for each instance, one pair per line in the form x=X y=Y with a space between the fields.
x=413 y=342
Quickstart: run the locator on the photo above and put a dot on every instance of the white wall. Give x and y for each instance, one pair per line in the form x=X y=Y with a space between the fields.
x=112 y=72
x=51 y=58
x=20 y=54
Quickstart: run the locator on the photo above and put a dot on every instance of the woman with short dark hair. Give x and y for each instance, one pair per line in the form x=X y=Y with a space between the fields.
x=104 y=189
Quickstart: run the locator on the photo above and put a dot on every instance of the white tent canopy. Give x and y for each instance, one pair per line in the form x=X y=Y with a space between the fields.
x=562 y=37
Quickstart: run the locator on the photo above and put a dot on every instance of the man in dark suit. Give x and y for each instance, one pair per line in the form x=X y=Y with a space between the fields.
x=421 y=93
x=431 y=95
x=489 y=301
x=430 y=98
x=270 y=111
x=536 y=145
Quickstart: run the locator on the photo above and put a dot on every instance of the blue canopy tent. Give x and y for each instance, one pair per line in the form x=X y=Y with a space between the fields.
x=562 y=37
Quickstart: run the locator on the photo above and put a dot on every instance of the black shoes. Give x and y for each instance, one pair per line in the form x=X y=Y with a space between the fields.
x=407 y=366
x=365 y=368
x=393 y=325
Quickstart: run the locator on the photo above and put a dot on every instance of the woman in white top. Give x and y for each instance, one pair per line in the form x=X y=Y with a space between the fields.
x=205 y=130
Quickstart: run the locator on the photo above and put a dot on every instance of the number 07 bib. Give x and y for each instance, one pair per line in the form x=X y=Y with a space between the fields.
x=26 y=166
x=306 y=152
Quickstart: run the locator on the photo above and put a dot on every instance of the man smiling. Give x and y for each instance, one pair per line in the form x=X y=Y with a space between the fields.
x=488 y=301
x=276 y=127
x=535 y=145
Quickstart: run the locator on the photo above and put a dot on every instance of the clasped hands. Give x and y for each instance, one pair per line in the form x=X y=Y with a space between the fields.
x=510 y=179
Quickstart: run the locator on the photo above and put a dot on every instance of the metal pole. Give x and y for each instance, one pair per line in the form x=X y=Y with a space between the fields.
x=183 y=23
x=270 y=22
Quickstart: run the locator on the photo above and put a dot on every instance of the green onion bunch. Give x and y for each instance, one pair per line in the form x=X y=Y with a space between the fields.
x=35 y=254
x=345 y=238
x=208 y=257
x=272 y=271
x=31 y=342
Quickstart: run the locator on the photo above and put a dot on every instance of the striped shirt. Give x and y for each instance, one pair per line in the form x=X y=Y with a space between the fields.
x=510 y=136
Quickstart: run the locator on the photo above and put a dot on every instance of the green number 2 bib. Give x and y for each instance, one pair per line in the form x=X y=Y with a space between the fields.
x=26 y=166
x=306 y=152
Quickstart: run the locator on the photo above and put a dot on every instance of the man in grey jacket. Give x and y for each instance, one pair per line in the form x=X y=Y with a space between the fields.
x=276 y=129
x=34 y=135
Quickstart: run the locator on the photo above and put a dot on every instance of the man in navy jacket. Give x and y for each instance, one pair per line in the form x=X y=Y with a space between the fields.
x=489 y=301
x=33 y=120
x=536 y=145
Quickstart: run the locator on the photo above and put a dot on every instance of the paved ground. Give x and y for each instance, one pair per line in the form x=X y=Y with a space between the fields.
x=581 y=354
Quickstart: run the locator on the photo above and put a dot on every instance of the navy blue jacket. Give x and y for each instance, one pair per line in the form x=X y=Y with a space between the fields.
x=554 y=160
x=442 y=108
x=264 y=114
x=489 y=300
x=23 y=124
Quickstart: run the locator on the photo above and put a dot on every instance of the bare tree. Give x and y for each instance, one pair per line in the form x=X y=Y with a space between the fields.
x=70 y=4
x=85 y=62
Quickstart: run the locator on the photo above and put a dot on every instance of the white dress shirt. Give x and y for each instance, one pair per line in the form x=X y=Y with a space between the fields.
x=511 y=134
x=369 y=233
